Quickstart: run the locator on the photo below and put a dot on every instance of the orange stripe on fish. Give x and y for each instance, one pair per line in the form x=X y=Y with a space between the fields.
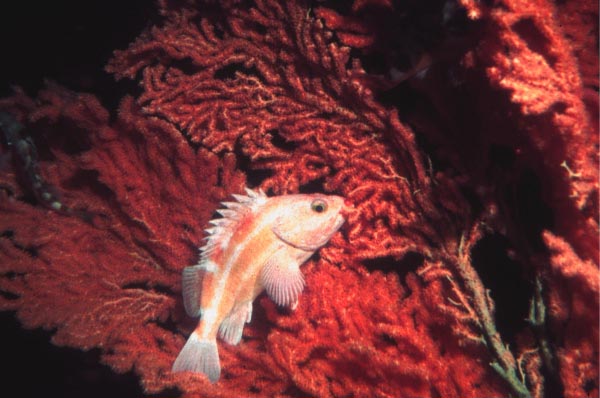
x=258 y=244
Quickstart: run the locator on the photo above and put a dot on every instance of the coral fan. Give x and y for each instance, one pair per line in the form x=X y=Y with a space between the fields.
x=456 y=129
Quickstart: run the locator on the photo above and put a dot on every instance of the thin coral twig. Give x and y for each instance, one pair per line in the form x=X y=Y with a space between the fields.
x=504 y=364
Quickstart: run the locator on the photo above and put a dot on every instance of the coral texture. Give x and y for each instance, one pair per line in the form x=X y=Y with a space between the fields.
x=449 y=127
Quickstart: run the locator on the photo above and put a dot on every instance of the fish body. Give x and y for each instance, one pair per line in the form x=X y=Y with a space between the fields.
x=259 y=244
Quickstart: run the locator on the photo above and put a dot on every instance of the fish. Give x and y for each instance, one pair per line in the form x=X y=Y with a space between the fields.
x=257 y=245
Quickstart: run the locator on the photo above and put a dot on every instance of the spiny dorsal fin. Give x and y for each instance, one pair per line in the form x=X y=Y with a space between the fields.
x=222 y=228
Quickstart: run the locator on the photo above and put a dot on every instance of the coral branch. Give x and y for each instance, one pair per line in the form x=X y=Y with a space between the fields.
x=504 y=363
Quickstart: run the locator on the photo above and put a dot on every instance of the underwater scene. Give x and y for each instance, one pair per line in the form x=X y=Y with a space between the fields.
x=300 y=198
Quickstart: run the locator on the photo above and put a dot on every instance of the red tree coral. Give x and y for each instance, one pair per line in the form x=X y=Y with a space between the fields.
x=273 y=94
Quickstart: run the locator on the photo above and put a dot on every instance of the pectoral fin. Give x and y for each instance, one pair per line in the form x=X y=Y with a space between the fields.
x=282 y=278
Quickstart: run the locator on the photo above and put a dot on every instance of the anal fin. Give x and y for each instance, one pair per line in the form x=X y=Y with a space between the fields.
x=232 y=327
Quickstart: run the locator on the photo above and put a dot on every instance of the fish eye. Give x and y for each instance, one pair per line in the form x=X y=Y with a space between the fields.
x=318 y=206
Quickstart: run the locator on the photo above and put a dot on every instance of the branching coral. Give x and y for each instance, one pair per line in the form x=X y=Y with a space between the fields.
x=282 y=95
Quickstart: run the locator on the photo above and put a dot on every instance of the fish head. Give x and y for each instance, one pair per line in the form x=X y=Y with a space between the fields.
x=307 y=222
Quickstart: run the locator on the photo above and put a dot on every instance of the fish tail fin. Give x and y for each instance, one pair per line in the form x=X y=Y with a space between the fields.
x=200 y=356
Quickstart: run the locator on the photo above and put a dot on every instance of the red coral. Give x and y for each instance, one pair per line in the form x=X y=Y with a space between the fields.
x=534 y=61
x=573 y=301
x=270 y=94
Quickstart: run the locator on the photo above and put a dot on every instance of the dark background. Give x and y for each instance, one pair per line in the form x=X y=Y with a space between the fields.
x=69 y=42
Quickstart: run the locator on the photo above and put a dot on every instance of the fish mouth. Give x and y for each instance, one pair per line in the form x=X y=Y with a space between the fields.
x=339 y=221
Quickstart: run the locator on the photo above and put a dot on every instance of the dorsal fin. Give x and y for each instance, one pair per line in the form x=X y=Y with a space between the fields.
x=222 y=228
